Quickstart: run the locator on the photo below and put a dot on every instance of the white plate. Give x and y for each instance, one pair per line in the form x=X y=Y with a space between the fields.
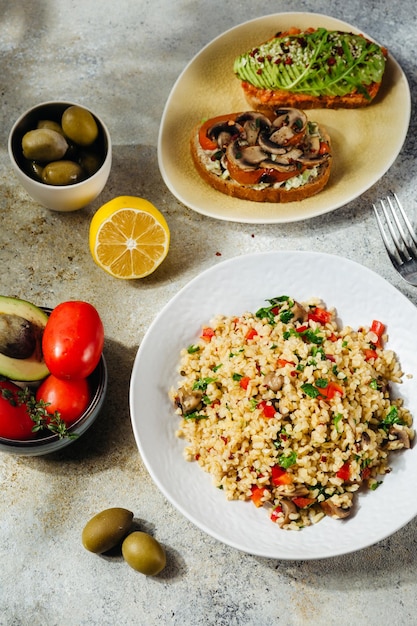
x=365 y=141
x=232 y=287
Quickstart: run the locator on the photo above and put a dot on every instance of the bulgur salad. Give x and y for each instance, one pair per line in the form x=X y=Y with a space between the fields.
x=285 y=408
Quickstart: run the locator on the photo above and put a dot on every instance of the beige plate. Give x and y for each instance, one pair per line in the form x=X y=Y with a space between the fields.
x=365 y=141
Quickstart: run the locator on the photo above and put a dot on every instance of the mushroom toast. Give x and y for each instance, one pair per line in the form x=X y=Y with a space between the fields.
x=277 y=156
x=316 y=68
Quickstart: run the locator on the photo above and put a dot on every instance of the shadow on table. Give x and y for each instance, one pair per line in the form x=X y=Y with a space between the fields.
x=391 y=561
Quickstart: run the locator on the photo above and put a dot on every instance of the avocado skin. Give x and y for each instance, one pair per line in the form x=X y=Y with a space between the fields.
x=33 y=367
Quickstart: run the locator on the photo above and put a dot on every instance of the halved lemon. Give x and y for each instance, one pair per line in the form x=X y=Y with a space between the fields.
x=129 y=237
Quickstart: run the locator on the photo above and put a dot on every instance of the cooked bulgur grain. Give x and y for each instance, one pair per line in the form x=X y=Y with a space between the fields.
x=284 y=408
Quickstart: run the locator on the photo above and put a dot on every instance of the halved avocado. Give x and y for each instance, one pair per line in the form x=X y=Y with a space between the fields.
x=21 y=329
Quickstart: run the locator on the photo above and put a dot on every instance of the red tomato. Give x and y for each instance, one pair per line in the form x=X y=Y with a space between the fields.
x=73 y=340
x=69 y=397
x=205 y=142
x=15 y=421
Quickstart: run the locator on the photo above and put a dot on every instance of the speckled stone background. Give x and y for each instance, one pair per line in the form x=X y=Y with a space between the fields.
x=122 y=59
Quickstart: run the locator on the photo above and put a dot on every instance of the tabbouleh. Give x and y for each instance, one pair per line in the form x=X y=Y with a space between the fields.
x=284 y=408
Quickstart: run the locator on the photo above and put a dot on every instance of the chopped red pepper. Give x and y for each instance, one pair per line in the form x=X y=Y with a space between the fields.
x=257 y=495
x=331 y=390
x=280 y=476
x=344 y=472
x=319 y=315
x=251 y=333
x=267 y=409
x=303 y=502
x=207 y=333
x=244 y=382
x=302 y=329
x=370 y=354
x=378 y=328
x=284 y=362
x=276 y=513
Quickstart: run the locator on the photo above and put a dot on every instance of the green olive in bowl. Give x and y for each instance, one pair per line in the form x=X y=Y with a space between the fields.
x=143 y=553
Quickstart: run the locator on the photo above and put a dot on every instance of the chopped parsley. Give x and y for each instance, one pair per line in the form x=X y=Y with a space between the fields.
x=287 y=461
x=202 y=383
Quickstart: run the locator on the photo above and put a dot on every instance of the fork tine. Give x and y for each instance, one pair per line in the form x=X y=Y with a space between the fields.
x=404 y=241
x=387 y=242
x=406 y=221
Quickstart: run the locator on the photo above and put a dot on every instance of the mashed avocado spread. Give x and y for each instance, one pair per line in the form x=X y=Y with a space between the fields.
x=322 y=62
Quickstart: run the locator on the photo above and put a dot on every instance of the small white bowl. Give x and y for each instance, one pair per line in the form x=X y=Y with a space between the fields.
x=65 y=197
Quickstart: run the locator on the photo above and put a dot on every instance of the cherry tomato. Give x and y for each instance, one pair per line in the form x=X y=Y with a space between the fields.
x=73 y=340
x=15 y=422
x=69 y=397
x=254 y=176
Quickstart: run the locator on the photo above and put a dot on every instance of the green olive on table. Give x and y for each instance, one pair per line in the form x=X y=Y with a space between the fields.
x=143 y=553
x=44 y=144
x=79 y=125
x=106 y=529
x=62 y=173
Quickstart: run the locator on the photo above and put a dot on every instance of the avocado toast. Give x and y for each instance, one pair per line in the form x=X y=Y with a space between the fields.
x=316 y=68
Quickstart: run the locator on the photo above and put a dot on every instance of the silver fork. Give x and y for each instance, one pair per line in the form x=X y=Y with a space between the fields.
x=398 y=236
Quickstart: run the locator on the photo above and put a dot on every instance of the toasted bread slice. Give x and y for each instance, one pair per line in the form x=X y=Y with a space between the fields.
x=212 y=165
x=268 y=99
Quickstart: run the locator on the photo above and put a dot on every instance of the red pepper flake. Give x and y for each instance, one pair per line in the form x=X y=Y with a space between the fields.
x=288 y=61
x=218 y=253
x=323 y=459
x=225 y=440
x=366 y=473
x=293 y=373
x=259 y=72
x=331 y=61
x=197 y=456
x=331 y=358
